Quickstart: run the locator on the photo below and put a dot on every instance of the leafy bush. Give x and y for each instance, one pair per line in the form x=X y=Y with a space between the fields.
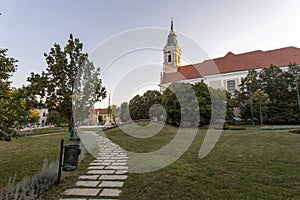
x=231 y=127
x=295 y=131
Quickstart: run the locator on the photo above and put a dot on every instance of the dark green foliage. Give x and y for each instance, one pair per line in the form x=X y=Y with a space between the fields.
x=208 y=100
x=53 y=118
x=204 y=100
x=12 y=112
x=232 y=127
x=139 y=106
x=183 y=104
x=296 y=131
x=124 y=112
x=279 y=106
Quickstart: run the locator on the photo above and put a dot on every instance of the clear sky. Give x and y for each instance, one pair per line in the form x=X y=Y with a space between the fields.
x=30 y=28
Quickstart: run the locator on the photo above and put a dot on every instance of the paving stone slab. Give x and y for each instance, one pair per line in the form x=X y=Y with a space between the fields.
x=82 y=192
x=116 y=167
x=119 y=163
x=98 y=160
x=121 y=172
x=87 y=183
x=101 y=164
x=89 y=177
x=95 y=164
x=119 y=151
x=122 y=155
x=103 y=158
x=96 y=167
x=104 y=171
x=72 y=199
x=111 y=184
x=118 y=158
x=102 y=153
x=123 y=160
x=110 y=193
x=113 y=177
x=105 y=150
x=108 y=161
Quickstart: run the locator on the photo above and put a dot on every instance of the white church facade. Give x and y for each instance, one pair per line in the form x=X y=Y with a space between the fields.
x=224 y=72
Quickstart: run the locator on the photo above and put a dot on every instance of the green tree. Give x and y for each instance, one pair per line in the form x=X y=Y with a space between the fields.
x=204 y=101
x=180 y=103
x=149 y=99
x=53 y=117
x=272 y=81
x=34 y=115
x=12 y=112
x=124 y=112
x=139 y=106
x=136 y=108
x=222 y=105
x=57 y=84
x=260 y=102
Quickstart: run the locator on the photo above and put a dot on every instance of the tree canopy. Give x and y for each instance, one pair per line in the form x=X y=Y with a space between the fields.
x=278 y=105
x=69 y=76
x=12 y=112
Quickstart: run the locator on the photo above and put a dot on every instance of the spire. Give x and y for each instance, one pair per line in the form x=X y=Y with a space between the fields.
x=172 y=41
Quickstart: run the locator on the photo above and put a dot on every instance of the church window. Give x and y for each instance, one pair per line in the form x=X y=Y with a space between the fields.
x=169 y=58
x=231 y=86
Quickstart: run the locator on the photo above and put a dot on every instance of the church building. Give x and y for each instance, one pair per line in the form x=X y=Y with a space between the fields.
x=224 y=72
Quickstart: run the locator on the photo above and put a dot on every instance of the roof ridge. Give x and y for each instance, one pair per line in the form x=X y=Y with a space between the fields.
x=236 y=55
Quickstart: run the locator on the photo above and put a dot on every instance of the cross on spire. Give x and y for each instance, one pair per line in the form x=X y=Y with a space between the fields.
x=172 y=24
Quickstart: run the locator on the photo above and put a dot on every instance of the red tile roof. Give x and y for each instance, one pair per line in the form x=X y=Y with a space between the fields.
x=99 y=111
x=236 y=62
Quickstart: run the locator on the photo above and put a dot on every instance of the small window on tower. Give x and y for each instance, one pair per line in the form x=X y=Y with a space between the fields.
x=169 y=58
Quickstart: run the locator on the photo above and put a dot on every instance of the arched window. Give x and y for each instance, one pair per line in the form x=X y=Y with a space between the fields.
x=231 y=86
x=169 y=58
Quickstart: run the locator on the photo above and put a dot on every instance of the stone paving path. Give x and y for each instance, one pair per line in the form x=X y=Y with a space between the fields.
x=105 y=175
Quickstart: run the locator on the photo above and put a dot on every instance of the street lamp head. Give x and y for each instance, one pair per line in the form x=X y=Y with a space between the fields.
x=290 y=88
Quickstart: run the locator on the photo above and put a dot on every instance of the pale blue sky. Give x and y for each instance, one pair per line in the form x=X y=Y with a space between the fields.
x=30 y=28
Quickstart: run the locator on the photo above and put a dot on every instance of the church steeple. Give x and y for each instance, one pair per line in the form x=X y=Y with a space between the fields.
x=172 y=52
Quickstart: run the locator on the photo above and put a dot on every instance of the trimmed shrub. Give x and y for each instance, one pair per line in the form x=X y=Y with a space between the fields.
x=231 y=127
x=295 y=131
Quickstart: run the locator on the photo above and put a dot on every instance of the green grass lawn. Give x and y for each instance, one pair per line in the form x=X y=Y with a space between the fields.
x=24 y=156
x=245 y=164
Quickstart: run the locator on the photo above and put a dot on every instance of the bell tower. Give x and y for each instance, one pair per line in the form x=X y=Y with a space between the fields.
x=172 y=53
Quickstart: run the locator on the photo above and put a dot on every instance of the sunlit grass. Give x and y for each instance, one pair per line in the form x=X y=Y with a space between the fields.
x=245 y=164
